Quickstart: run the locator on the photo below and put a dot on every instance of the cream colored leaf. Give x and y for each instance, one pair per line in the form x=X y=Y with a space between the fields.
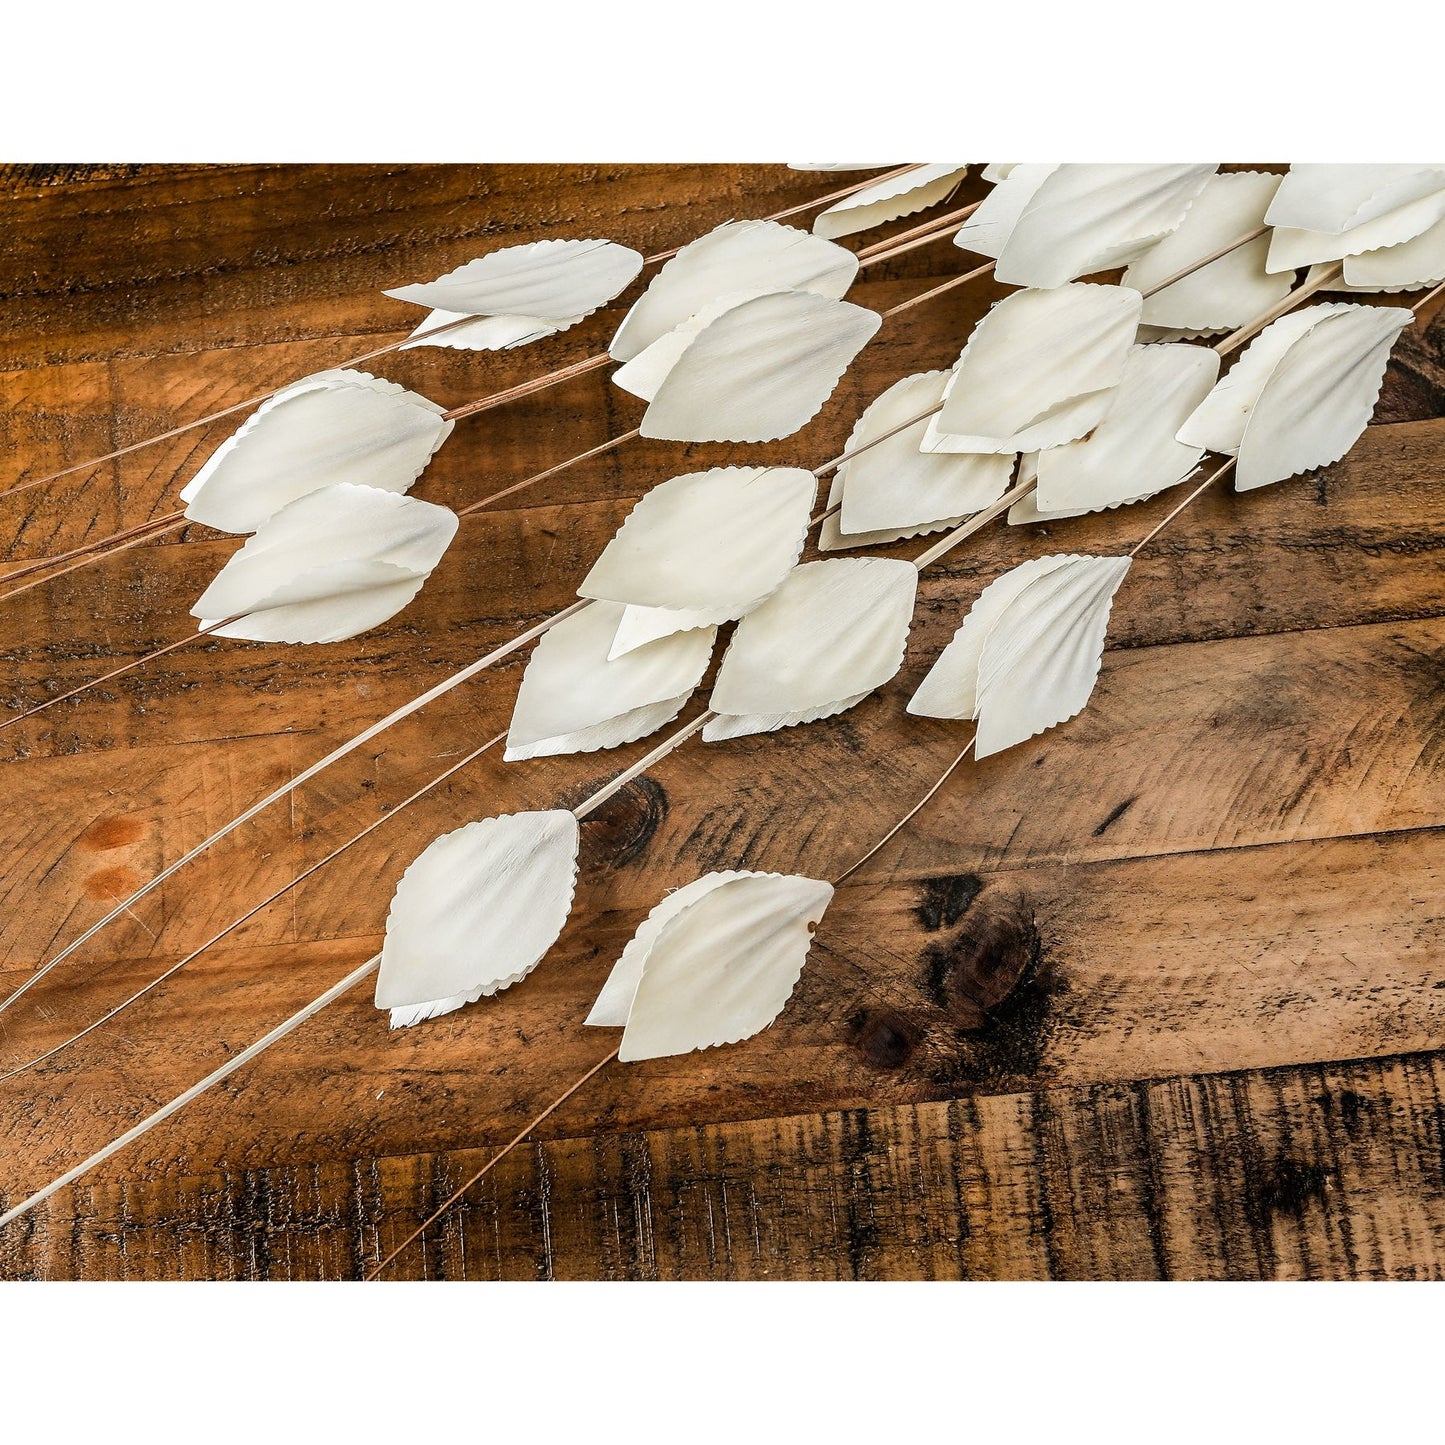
x=1320 y=397
x=328 y=566
x=831 y=538
x=703 y=548
x=1133 y=452
x=644 y=374
x=575 y=699
x=476 y=912
x=485 y=333
x=554 y=280
x=986 y=232
x=998 y=171
x=1088 y=218
x=744 y=725
x=1410 y=266
x=1037 y=370
x=1338 y=198
x=892 y=486
x=1227 y=293
x=641 y=625
x=336 y=426
x=833 y=632
x=717 y=968
x=1341 y=363
x=889 y=200
x=760 y=371
x=950 y=687
x=1026 y=511
x=1027 y=655
x=1289 y=249
x=614 y=1003
x=1218 y=422
x=1041 y=661
x=738 y=258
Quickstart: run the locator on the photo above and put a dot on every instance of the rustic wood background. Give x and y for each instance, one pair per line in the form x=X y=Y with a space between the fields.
x=1160 y=994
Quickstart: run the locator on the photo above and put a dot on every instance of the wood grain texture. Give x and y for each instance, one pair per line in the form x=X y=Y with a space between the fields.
x=1156 y=995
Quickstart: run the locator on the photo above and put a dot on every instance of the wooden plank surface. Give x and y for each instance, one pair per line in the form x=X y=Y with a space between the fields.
x=1154 y=995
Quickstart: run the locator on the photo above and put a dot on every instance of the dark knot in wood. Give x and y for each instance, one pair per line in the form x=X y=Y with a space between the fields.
x=884 y=1037
x=622 y=827
x=973 y=971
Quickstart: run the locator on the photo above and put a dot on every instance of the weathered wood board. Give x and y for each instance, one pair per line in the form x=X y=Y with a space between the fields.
x=1158 y=994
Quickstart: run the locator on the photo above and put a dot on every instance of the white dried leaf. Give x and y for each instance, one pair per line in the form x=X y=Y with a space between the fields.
x=743 y=725
x=1218 y=422
x=738 y=258
x=1290 y=249
x=1037 y=370
x=1320 y=396
x=552 y=280
x=998 y=171
x=1321 y=368
x=950 y=687
x=1133 y=452
x=703 y=548
x=1088 y=218
x=760 y=371
x=641 y=625
x=335 y=426
x=889 y=200
x=476 y=912
x=328 y=566
x=822 y=642
x=1338 y=198
x=1229 y=292
x=1027 y=656
x=1025 y=511
x=485 y=333
x=831 y=538
x=1410 y=266
x=575 y=699
x=644 y=374
x=894 y=488
x=713 y=963
x=614 y=1003
x=1040 y=664
x=986 y=232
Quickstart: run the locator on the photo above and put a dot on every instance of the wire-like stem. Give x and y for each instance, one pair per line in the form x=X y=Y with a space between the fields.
x=1322 y=282
x=668 y=745
x=492 y=1162
x=907 y=818
x=187 y=641
x=927 y=230
x=975 y=523
x=1198 y=492
x=110 y=546
x=1201 y=262
x=1418 y=306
